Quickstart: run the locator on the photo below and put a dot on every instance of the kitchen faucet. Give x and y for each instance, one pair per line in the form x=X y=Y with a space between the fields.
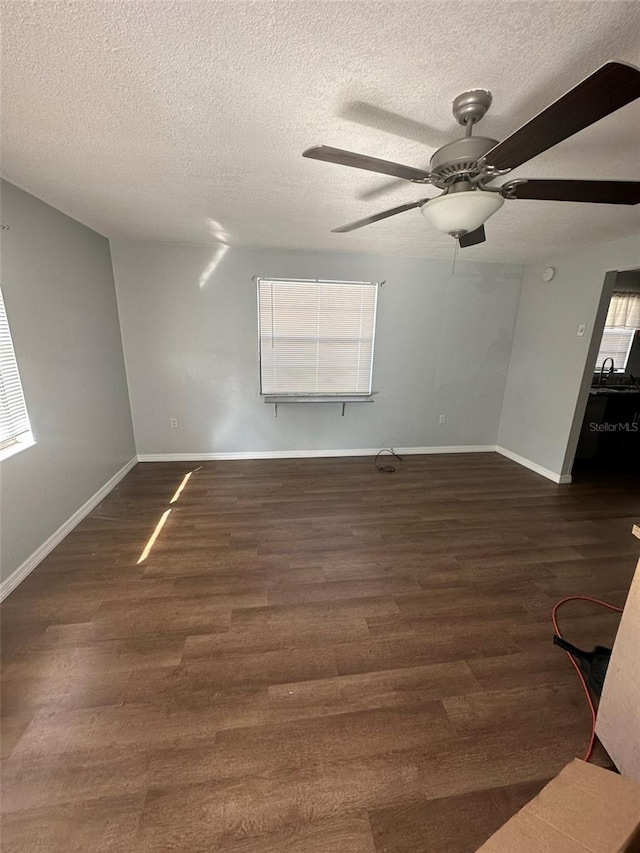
x=611 y=371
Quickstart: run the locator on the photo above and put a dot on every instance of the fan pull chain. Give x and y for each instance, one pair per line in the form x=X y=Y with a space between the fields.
x=455 y=255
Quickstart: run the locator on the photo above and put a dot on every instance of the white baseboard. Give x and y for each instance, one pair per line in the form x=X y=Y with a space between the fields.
x=533 y=466
x=362 y=451
x=307 y=454
x=40 y=553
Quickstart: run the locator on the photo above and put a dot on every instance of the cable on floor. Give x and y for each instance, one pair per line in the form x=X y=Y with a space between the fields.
x=583 y=681
x=387 y=469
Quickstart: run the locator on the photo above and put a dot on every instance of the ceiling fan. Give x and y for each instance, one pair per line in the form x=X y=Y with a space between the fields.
x=464 y=168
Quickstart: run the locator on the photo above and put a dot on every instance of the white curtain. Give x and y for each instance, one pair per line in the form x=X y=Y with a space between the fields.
x=624 y=311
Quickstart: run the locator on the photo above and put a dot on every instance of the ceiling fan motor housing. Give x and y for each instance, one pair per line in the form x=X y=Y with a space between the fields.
x=460 y=157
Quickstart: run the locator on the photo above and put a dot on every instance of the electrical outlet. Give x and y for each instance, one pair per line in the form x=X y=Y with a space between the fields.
x=174 y=423
x=442 y=419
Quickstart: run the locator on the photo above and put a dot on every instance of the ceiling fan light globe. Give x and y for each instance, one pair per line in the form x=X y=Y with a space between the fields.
x=461 y=212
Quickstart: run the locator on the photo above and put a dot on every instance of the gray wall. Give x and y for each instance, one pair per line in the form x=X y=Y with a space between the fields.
x=551 y=367
x=189 y=330
x=58 y=287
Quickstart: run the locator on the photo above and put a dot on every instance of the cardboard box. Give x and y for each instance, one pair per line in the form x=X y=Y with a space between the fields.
x=585 y=809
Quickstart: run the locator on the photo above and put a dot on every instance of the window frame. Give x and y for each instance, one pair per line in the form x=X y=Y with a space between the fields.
x=316 y=396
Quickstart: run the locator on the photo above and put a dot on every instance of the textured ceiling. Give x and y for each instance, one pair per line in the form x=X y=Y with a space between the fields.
x=185 y=121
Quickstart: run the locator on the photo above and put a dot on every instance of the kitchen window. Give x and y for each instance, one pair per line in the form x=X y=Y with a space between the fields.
x=616 y=343
x=623 y=318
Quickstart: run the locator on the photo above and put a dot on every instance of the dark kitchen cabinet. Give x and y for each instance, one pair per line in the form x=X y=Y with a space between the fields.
x=610 y=435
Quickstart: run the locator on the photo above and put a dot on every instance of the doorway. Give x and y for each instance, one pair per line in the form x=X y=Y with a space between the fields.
x=609 y=440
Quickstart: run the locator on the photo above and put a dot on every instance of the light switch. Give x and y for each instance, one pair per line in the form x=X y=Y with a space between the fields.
x=582 y=328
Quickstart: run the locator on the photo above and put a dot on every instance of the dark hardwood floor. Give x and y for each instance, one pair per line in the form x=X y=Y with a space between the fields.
x=313 y=658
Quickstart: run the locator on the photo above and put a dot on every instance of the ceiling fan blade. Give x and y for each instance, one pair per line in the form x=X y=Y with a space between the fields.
x=602 y=93
x=361 y=161
x=377 y=217
x=472 y=238
x=598 y=192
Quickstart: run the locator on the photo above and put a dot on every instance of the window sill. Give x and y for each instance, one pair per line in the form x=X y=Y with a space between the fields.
x=342 y=399
x=318 y=398
x=22 y=444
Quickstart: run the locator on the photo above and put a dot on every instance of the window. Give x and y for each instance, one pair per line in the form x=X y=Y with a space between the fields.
x=14 y=420
x=616 y=344
x=316 y=337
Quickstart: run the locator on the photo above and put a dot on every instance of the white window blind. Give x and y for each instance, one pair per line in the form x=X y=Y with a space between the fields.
x=14 y=420
x=316 y=337
x=616 y=344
